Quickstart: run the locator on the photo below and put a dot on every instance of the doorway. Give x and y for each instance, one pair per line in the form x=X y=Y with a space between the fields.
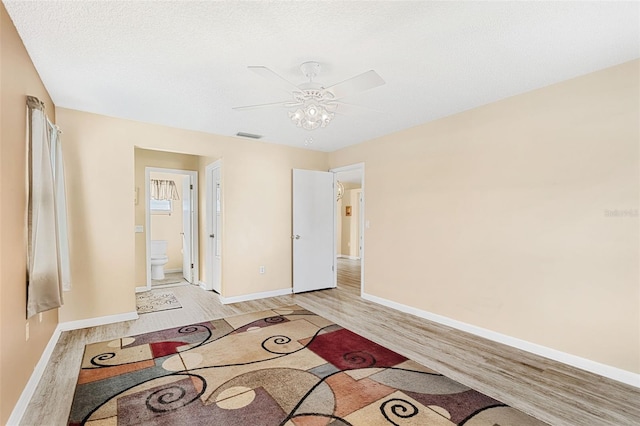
x=172 y=224
x=349 y=228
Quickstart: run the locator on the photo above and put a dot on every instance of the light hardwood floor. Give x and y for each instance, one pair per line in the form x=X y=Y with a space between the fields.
x=553 y=392
x=349 y=274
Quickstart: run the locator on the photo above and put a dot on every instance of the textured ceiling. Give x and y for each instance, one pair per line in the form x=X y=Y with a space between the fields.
x=184 y=64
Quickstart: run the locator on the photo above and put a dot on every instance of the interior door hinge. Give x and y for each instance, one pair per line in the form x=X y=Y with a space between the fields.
x=192 y=266
x=190 y=186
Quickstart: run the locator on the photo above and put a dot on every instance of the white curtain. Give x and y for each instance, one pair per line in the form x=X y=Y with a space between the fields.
x=61 y=206
x=46 y=262
x=164 y=190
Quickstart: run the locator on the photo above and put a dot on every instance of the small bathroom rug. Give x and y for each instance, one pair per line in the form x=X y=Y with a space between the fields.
x=151 y=301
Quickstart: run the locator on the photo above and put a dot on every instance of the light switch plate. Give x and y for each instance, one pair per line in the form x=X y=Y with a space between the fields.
x=139 y=229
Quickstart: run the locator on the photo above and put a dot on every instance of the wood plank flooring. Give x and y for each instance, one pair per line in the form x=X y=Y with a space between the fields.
x=550 y=391
x=349 y=275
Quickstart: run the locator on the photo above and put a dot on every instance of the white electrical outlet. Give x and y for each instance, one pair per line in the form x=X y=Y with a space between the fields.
x=26 y=332
x=262 y=269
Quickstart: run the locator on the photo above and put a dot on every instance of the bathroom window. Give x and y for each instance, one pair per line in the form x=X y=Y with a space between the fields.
x=160 y=206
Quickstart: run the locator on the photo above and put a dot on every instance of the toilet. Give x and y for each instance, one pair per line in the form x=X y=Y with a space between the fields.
x=159 y=258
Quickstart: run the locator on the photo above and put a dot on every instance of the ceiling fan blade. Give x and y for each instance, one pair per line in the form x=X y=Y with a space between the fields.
x=347 y=109
x=286 y=104
x=365 y=81
x=275 y=78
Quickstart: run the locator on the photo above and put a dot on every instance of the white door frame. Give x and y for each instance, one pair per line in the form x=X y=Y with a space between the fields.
x=351 y=167
x=193 y=177
x=211 y=209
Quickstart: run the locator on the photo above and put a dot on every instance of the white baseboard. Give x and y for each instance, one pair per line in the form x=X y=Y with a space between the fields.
x=171 y=271
x=30 y=387
x=614 y=373
x=94 y=322
x=204 y=286
x=141 y=289
x=254 y=296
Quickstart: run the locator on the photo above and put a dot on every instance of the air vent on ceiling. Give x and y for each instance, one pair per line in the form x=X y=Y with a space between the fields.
x=248 y=135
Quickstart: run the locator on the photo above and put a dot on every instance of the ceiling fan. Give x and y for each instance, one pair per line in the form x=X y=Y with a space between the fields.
x=315 y=104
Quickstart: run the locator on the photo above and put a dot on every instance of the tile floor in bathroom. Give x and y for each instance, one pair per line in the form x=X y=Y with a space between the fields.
x=173 y=278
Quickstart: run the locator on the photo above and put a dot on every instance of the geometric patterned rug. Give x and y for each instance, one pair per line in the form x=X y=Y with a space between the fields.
x=151 y=301
x=286 y=366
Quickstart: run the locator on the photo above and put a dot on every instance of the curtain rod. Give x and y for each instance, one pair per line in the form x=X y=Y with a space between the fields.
x=35 y=103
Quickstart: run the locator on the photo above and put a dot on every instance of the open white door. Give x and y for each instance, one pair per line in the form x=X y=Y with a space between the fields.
x=313 y=230
x=213 y=263
x=187 y=271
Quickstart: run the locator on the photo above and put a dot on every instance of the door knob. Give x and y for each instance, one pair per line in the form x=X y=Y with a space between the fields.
x=297 y=237
x=212 y=235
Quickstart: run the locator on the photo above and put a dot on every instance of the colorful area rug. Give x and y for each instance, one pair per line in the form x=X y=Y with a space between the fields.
x=287 y=367
x=151 y=301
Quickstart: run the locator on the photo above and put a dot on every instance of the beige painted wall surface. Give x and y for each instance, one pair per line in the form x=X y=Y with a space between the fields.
x=257 y=214
x=169 y=226
x=355 y=223
x=349 y=228
x=506 y=216
x=18 y=78
x=339 y=216
x=99 y=178
x=257 y=207
x=166 y=160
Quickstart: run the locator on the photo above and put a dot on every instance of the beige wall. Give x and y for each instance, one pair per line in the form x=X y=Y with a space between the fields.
x=18 y=78
x=257 y=207
x=339 y=214
x=350 y=224
x=501 y=221
x=343 y=220
x=169 y=226
x=165 y=160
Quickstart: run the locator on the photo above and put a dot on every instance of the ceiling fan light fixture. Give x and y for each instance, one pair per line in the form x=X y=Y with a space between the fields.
x=311 y=117
x=315 y=103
